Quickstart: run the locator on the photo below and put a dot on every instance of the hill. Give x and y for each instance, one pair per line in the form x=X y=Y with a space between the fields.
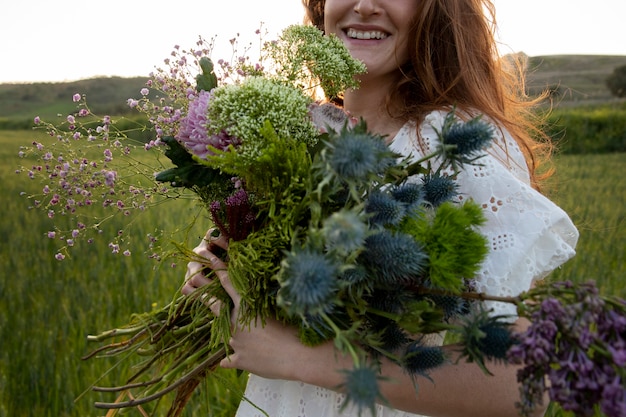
x=106 y=95
x=575 y=80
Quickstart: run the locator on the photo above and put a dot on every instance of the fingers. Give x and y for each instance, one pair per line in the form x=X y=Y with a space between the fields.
x=195 y=276
x=220 y=269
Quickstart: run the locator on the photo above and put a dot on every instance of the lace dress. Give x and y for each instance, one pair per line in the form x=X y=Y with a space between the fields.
x=528 y=236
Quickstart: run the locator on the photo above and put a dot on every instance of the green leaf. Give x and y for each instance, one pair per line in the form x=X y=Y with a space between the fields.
x=187 y=173
x=206 y=80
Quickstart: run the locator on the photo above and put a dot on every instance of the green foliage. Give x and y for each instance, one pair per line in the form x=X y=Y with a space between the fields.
x=455 y=247
x=597 y=129
x=616 y=82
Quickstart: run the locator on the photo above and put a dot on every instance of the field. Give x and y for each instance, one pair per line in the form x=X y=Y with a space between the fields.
x=48 y=307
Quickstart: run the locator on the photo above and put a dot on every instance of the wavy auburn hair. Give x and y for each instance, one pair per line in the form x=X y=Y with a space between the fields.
x=454 y=61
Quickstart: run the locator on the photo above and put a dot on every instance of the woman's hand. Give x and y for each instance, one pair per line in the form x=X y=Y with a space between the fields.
x=195 y=277
x=254 y=346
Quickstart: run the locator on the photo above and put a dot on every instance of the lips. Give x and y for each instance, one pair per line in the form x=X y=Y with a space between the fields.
x=366 y=34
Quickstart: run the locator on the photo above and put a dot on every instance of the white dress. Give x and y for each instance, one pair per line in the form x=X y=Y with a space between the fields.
x=528 y=237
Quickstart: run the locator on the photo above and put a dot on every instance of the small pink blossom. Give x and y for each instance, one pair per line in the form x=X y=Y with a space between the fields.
x=52 y=235
x=145 y=91
x=71 y=119
x=76 y=98
x=59 y=256
x=37 y=120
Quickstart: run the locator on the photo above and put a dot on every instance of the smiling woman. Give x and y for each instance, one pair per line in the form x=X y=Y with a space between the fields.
x=425 y=60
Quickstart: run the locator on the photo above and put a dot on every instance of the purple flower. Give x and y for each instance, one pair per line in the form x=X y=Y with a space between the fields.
x=193 y=129
x=76 y=98
x=613 y=402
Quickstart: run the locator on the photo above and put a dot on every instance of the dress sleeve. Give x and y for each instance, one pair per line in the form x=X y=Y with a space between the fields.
x=528 y=235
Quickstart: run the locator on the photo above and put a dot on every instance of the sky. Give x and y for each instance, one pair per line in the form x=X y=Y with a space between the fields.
x=67 y=40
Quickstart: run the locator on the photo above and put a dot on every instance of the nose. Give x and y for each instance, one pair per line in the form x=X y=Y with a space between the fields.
x=366 y=7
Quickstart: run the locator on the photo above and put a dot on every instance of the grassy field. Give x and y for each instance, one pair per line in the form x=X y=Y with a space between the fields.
x=48 y=307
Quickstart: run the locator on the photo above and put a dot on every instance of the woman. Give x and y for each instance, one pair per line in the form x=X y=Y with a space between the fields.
x=423 y=57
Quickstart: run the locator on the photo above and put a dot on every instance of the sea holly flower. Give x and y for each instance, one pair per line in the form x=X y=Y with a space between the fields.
x=361 y=388
x=308 y=283
x=344 y=232
x=384 y=210
x=395 y=258
x=419 y=360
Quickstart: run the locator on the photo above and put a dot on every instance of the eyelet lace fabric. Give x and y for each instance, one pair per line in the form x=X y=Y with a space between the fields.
x=528 y=237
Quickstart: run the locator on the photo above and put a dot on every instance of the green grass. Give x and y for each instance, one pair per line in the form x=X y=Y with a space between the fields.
x=47 y=307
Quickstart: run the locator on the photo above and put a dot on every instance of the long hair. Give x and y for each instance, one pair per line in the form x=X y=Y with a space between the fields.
x=454 y=61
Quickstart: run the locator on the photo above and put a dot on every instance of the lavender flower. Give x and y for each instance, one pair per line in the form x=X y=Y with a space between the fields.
x=574 y=340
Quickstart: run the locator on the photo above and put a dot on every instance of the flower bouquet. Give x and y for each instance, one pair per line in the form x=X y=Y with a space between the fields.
x=333 y=233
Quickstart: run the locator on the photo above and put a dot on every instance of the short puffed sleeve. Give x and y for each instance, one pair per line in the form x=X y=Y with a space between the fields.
x=528 y=235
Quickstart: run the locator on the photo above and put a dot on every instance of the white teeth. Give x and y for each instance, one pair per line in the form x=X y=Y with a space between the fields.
x=372 y=34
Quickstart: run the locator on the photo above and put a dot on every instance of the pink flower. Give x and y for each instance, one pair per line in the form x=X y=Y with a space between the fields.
x=37 y=120
x=193 y=132
x=59 y=256
x=76 y=98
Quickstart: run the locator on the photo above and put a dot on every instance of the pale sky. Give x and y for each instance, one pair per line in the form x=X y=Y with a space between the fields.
x=66 y=40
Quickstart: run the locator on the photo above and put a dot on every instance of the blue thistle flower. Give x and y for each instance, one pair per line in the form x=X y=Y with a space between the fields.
x=391 y=300
x=393 y=257
x=391 y=336
x=355 y=275
x=308 y=283
x=356 y=156
x=468 y=138
x=384 y=209
x=344 y=231
x=497 y=340
x=451 y=305
x=361 y=388
x=418 y=359
x=411 y=194
x=485 y=337
x=439 y=189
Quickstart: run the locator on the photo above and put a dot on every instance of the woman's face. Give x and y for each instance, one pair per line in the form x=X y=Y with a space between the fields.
x=374 y=31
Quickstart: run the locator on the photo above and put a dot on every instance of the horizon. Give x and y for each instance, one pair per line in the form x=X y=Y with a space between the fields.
x=96 y=76
x=141 y=36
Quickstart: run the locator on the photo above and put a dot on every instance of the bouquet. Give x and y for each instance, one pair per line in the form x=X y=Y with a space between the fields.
x=333 y=233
